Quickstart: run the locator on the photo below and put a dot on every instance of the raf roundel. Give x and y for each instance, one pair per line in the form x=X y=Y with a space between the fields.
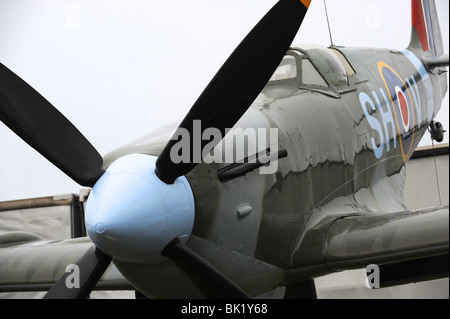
x=404 y=107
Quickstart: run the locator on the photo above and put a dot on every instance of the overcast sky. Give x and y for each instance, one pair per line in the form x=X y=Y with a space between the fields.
x=119 y=69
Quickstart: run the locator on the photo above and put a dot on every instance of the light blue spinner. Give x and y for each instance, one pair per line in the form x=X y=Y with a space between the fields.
x=135 y=228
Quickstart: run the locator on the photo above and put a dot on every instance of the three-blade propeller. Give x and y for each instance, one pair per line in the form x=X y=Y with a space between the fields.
x=44 y=128
x=232 y=90
x=221 y=105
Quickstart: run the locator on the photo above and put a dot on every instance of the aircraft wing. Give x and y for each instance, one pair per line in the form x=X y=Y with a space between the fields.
x=407 y=246
x=31 y=263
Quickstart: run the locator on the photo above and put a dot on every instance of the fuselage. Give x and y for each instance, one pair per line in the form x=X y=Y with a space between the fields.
x=338 y=140
x=343 y=133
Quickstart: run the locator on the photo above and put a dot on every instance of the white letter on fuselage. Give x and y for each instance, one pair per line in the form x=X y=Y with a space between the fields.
x=374 y=123
x=387 y=118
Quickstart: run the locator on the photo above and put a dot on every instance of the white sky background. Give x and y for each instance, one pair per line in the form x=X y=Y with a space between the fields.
x=119 y=69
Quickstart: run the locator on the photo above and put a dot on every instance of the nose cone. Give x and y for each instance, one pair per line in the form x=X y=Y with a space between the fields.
x=131 y=215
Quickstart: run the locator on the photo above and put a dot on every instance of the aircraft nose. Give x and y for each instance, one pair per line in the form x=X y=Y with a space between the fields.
x=131 y=215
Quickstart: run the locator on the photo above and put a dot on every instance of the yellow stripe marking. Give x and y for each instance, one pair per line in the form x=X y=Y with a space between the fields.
x=306 y=3
x=380 y=69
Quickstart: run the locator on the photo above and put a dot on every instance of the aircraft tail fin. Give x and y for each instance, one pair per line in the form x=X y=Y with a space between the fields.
x=426 y=37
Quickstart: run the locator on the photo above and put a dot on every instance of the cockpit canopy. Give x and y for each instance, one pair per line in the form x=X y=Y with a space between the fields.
x=286 y=70
x=314 y=66
x=328 y=64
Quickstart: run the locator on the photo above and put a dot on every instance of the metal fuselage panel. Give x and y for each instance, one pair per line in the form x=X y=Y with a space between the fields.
x=336 y=146
x=338 y=143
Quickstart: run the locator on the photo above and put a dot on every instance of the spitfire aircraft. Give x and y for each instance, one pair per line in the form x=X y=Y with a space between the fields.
x=288 y=171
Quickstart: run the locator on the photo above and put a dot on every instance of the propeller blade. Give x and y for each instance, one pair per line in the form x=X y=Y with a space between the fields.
x=91 y=267
x=208 y=279
x=239 y=81
x=44 y=128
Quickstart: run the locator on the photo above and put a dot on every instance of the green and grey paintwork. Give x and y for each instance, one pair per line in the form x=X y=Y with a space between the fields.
x=332 y=204
x=330 y=173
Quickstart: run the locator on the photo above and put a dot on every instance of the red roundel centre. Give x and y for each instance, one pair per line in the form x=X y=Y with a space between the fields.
x=403 y=107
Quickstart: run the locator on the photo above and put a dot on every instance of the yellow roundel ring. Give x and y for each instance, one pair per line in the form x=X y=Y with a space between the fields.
x=405 y=153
